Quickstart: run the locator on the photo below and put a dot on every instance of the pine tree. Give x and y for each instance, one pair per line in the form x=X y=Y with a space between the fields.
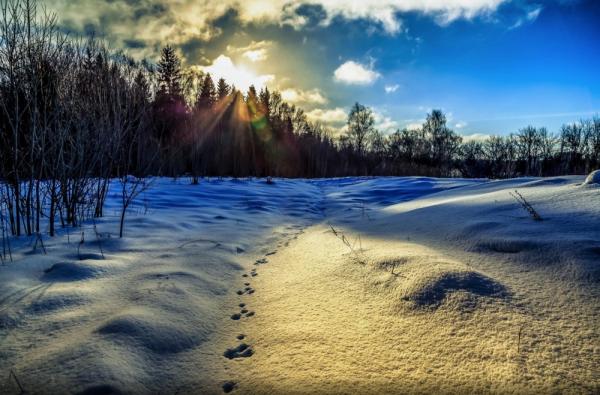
x=169 y=73
x=265 y=102
x=207 y=95
x=222 y=89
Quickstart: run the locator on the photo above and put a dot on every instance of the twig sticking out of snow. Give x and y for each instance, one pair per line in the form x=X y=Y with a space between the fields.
x=80 y=244
x=346 y=241
x=99 y=238
x=526 y=205
x=519 y=340
x=38 y=239
x=14 y=377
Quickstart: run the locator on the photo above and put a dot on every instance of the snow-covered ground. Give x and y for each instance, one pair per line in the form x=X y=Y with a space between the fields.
x=345 y=285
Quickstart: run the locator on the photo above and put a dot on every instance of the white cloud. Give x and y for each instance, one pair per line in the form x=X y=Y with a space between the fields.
x=384 y=12
x=414 y=124
x=334 y=116
x=391 y=88
x=461 y=125
x=475 y=137
x=256 y=55
x=298 y=96
x=384 y=123
x=354 y=73
x=155 y=22
x=241 y=77
x=256 y=51
x=530 y=17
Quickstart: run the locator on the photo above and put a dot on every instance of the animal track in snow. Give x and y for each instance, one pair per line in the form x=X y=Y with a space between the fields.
x=246 y=290
x=241 y=351
x=229 y=386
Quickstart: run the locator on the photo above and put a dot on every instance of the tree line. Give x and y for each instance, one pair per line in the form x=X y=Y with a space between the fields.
x=435 y=150
x=75 y=115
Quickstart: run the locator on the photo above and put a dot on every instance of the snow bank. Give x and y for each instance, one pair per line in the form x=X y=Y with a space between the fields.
x=593 y=178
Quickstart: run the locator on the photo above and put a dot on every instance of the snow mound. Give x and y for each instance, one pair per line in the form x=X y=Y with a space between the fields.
x=593 y=178
x=149 y=332
x=432 y=291
x=58 y=301
x=69 y=271
x=430 y=282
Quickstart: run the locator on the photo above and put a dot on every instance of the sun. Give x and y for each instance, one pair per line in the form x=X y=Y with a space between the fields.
x=238 y=75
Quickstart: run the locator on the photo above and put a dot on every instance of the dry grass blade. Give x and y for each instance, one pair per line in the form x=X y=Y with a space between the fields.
x=526 y=205
x=16 y=380
x=344 y=239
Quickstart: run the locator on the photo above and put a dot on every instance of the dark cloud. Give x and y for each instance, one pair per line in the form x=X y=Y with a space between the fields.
x=313 y=14
x=151 y=10
x=134 y=44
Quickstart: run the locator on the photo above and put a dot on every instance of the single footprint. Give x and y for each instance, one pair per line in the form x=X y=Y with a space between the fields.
x=250 y=291
x=228 y=386
x=250 y=314
x=244 y=311
x=271 y=253
x=254 y=274
x=261 y=261
x=241 y=351
x=241 y=336
x=242 y=305
x=246 y=284
x=244 y=275
x=240 y=292
x=236 y=316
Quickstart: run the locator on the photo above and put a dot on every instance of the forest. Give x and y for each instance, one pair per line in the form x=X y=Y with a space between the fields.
x=75 y=115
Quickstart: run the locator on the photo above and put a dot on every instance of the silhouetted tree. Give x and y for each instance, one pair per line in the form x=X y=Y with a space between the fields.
x=223 y=89
x=360 y=127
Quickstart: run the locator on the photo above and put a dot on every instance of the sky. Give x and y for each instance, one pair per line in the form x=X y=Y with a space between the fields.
x=493 y=66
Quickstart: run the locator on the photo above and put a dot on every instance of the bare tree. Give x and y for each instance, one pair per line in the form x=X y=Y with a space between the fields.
x=360 y=127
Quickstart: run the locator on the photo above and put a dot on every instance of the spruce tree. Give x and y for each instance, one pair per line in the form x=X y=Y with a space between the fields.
x=222 y=89
x=169 y=73
x=207 y=95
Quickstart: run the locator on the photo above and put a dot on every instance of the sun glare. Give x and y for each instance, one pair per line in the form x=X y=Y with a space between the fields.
x=238 y=75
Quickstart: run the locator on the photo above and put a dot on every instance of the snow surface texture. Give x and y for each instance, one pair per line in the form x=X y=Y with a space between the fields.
x=345 y=285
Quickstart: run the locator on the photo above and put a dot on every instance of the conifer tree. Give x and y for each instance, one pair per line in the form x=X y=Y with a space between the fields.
x=222 y=89
x=169 y=73
x=207 y=95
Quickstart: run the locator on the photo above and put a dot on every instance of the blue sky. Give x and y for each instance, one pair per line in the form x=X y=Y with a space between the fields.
x=492 y=65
